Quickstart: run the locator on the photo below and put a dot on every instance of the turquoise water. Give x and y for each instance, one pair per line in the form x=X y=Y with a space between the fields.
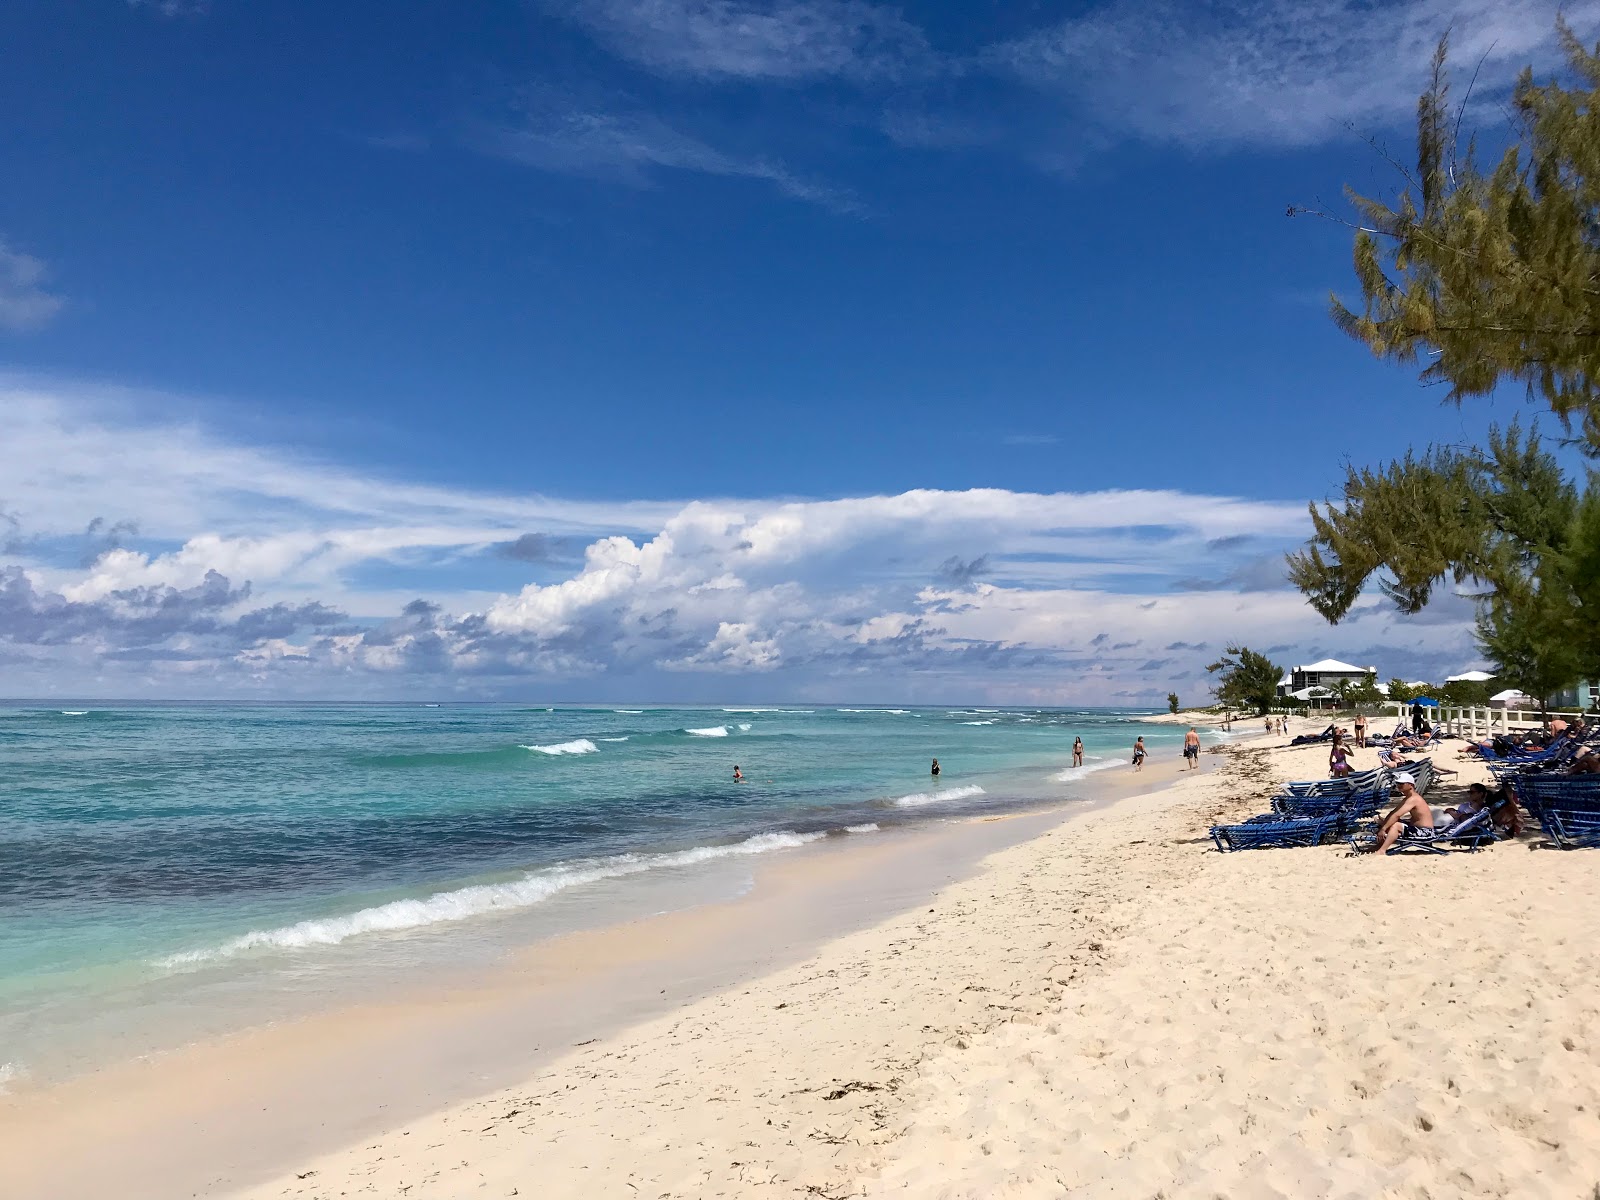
x=182 y=861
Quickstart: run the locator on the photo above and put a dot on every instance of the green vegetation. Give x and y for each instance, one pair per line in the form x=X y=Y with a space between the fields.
x=1495 y=276
x=1172 y=702
x=1246 y=679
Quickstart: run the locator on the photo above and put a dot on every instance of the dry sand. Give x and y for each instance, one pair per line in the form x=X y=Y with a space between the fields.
x=1111 y=1009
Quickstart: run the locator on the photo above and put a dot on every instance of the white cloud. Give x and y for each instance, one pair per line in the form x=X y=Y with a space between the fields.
x=787 y=40
x=552 y=135
x=247 y=560
x=1254 y=71
x=25 y=302
x=74 y=452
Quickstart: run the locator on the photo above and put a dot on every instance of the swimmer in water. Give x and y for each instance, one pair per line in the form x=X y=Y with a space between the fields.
x=935 y=771
x=738 y=775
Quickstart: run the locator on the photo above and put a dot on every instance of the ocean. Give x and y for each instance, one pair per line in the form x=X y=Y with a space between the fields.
x=170 y=872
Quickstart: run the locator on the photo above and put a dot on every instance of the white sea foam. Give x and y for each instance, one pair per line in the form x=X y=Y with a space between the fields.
x=581 y=746
x=620 y=739
x=11 y=1073
x=1090 y=766
x=632 y=712
x=74 y=712
x=464 y=903
x=869 y=827
x=713 y=731
x=896 y=712
x=918 y=799
x=744 y=726
x=977 y=722
x=770 y=710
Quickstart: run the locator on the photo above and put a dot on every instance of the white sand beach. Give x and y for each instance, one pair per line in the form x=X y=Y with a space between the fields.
x=1110 y=1009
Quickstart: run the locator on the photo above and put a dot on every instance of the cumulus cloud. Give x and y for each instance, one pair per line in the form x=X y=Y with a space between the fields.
x=246 y=569
x=26 y=303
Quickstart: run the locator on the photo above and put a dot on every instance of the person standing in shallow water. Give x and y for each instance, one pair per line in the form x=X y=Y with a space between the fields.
x=1077 y=752
x=738 y=775
x=1138 y=753
x=935 y=771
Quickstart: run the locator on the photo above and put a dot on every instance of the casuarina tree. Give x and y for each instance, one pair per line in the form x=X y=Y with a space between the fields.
x=1491 y=276
x=1246 y=679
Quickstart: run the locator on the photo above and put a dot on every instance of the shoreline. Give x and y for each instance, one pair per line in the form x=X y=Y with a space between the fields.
x=254 y=1102
x=1109 y=1008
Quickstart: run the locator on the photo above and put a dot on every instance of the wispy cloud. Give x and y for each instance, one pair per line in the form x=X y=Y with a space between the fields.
x=25 y=302
x=173 y=8
x=1255 y=71
x=786 y=41
x=631 y=147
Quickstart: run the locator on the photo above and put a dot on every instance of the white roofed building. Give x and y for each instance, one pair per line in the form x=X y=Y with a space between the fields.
x=1325 y=674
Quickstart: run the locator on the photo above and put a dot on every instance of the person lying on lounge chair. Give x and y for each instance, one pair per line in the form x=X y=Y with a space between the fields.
x=1506 y=816
x=1585 y=762
x=1406 y=819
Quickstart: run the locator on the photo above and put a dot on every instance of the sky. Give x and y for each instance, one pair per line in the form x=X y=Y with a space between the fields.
x=699 y=351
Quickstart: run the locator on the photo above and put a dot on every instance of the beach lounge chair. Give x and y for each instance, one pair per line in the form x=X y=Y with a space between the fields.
x=1352 y=804
x=1307 y=739
x=1468 y=834
x=1360 y=782
x=1267 y=834
x=1567 y=807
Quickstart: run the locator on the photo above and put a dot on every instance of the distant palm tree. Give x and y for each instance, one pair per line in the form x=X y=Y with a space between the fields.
x=1343 y=689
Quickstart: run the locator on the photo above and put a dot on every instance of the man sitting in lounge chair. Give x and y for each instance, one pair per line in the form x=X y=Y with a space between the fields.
x=1586 y=762
x=1411 y=818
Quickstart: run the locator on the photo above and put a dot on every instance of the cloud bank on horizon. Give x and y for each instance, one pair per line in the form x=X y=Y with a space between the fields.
x=144 y=557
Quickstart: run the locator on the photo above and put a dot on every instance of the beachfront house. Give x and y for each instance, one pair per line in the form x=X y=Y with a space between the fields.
x=1325 y=676
x=1585 y=694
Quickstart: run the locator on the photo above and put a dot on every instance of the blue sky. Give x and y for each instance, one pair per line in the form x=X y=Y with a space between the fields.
x=909 y=349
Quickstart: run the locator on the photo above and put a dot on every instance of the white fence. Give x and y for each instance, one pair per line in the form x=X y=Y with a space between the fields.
x=1479 y=721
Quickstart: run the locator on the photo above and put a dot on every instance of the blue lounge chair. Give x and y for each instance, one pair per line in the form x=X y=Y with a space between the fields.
x=1467 y=834
x=1361 y=781
x=1567 y=806
x=1354 y=804
x=1259 y=834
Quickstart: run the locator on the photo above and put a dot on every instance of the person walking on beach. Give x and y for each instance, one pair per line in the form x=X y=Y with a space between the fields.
x=1191 y=750
x=1138 y=753
x=1077 y=752
x=1416 y=717
x=1361 y=731
x=935 y=771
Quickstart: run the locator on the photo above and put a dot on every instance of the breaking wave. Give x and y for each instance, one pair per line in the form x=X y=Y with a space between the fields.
x=918 y=799
x=581 y=746
x=400 y=915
